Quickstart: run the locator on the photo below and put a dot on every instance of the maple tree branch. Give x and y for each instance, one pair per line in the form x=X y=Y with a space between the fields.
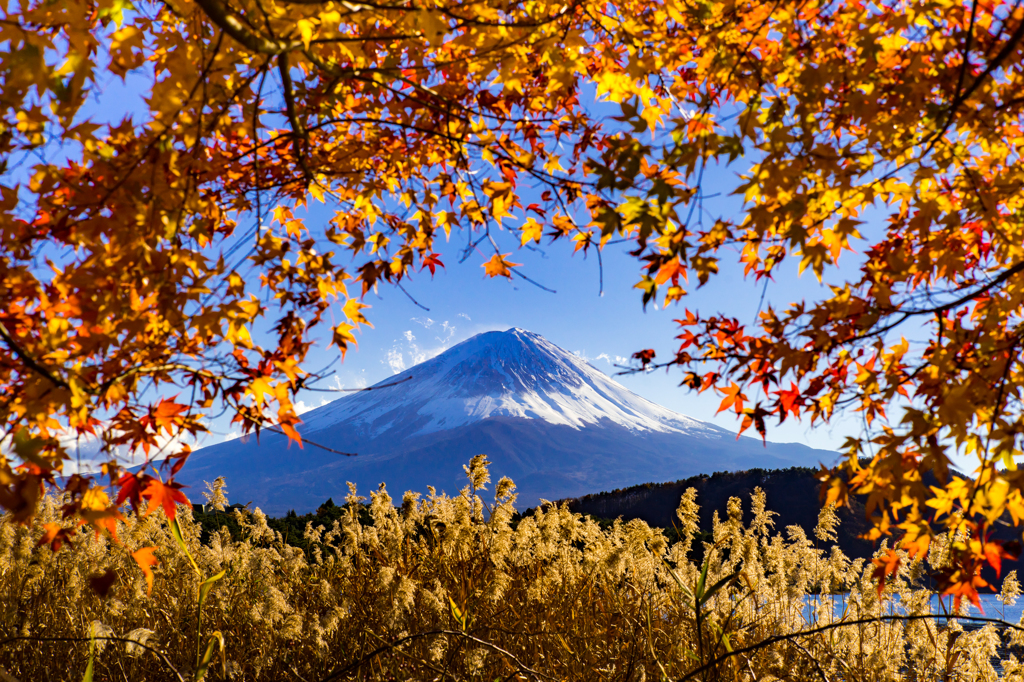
x=300 y=136
x=904 y=315
x=966 y=58
x=155 y=369
x=410 y=297
x=274 y=429
x=446 y=12
x=357 y=390
x=29 y=360
x=996 y=281
x=962 y=96
x=219 y=14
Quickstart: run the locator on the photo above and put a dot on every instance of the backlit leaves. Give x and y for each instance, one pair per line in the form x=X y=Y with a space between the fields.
x=166 y=495
x=164 y=250
x=167 y=251
x=498 y=266
x=146 y=559
x=879 y=134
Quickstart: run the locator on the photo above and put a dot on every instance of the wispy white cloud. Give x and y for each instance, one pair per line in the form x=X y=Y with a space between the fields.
x=395 y=360
x=410 y=350
x=464 y=315
x=582 y=354
x=301 y=407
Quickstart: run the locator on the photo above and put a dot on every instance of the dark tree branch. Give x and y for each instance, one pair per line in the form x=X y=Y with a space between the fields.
x=29 y=360
x=233 y=26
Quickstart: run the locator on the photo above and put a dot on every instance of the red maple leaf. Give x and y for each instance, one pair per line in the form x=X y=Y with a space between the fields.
x=885 y=565
x=432 y=261
x=129 y=490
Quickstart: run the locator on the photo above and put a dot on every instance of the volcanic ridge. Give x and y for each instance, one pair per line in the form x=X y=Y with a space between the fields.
x=546 y=418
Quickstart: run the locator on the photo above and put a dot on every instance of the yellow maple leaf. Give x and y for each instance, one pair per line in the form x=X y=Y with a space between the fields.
x=532 y=231
x=498 y=266
x=258 y=388
x=353 y=311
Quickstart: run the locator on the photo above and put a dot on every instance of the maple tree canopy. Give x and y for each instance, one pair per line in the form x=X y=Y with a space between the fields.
x=889 y=128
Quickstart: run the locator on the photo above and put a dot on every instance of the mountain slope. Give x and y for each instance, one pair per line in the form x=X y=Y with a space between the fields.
x=500 y=374
x=553 y=423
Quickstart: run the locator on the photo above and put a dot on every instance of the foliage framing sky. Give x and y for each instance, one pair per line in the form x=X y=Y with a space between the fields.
x=605 y=329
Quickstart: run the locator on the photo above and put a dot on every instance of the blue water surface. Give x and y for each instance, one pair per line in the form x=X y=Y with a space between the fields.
x=991 y=607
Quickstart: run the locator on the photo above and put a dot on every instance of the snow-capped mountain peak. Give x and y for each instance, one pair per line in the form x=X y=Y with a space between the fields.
x=515 y=373
x=544 y=417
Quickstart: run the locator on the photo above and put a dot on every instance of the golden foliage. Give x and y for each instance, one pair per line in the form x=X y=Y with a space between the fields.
x=893 y=128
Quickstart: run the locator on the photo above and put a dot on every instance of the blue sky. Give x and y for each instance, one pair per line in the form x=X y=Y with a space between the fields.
x=606 y=329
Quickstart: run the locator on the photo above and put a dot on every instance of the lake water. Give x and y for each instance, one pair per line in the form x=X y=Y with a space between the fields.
x=991 y=607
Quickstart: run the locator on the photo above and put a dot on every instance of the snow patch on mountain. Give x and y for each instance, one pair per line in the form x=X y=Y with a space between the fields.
x=514 y=373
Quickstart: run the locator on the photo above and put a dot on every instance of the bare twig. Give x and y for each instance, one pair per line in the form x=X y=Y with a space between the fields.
x=156 y=652
x=832 y=626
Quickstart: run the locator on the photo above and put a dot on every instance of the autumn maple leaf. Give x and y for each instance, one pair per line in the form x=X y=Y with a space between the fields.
x=129 y=489
x=167 y=414
x=162 y=494
x=432 y=262
x=645 y=356
x=754 y=416
x=498 y=266
x=55 y=536
x=734 y=399
x=95 y=508
x=290 y=431
x=885 y=565
x=146 y=560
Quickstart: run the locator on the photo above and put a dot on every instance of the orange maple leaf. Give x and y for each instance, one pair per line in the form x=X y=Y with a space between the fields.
x=55 y=536
x=103 y=521
x=734 y=398
x=163 y=494
x=885 y=565
x=498 y=266
x=292 y=434
x=166 y=413
x=754 y=416
x=146 y=561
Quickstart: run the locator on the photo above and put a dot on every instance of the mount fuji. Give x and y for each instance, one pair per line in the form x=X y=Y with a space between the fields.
x=546 y=418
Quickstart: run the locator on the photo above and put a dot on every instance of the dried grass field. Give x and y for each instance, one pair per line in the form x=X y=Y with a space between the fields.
x=450 y=588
